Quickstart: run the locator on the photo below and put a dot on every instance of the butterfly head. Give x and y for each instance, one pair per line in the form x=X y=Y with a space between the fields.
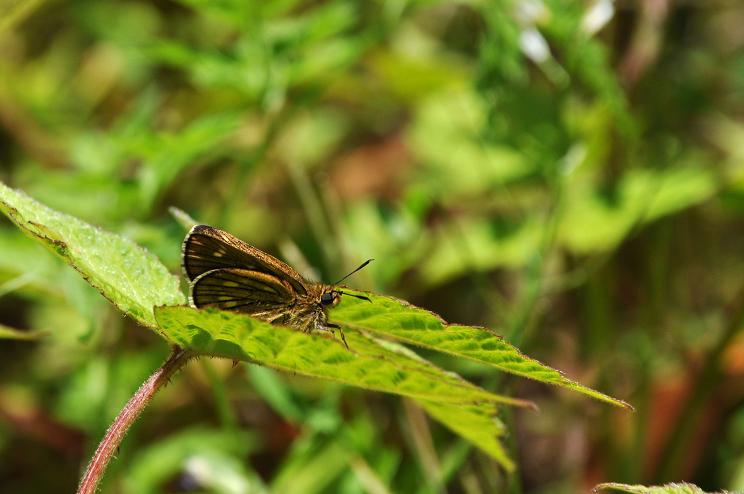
x=330 y=297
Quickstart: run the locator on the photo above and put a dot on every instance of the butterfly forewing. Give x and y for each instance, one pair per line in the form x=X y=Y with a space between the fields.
x=206 y=249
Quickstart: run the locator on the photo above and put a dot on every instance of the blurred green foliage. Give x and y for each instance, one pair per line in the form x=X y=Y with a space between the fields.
x=569 y=173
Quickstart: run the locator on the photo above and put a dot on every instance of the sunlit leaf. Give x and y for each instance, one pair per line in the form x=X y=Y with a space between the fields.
x=477 y=424
x=397 y=319
x=370 y=363
x=130 y=277
x=683 y=488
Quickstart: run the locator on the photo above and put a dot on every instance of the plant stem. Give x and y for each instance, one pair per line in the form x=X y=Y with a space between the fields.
x=127 y=416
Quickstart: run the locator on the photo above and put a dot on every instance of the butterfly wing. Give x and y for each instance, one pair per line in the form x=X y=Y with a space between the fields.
x=206 y=249
x=260 y=294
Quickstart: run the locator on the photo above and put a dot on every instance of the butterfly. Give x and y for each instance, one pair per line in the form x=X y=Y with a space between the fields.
x=229 y=274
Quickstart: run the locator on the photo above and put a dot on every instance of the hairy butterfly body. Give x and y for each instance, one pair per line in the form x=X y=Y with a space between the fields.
x=229 y=274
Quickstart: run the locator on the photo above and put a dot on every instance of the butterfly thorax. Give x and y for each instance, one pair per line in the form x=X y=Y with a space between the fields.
x=306 y=312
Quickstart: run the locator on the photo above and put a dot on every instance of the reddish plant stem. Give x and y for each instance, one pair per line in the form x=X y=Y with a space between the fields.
x=127 y=416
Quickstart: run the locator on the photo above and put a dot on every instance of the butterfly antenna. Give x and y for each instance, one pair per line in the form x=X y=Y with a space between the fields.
x=357 y=269
x=355 y=296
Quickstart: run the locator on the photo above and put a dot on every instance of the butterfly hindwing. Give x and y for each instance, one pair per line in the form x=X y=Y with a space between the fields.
x=240 y=290
x=206 y=249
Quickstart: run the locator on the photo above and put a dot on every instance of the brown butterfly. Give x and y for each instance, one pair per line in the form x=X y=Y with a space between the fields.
x=229 y=274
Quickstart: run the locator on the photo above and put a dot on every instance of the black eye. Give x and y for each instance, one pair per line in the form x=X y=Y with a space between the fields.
x=326 y=298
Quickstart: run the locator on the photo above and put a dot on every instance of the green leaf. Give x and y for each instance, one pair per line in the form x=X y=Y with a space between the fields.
x=130 y=277
x=372 y=364
x=477 y=424
x=395 y=318
x=643 y=196
x=478 y=244
x=683 y=488
x=446 y=139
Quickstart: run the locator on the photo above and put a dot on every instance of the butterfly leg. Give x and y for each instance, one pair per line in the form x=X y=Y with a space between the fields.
x=341 y=332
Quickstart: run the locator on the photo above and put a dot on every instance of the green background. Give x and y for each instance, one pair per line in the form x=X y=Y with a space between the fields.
x=568 y=175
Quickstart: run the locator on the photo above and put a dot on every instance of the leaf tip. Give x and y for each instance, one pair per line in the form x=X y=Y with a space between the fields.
x=627 y=406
